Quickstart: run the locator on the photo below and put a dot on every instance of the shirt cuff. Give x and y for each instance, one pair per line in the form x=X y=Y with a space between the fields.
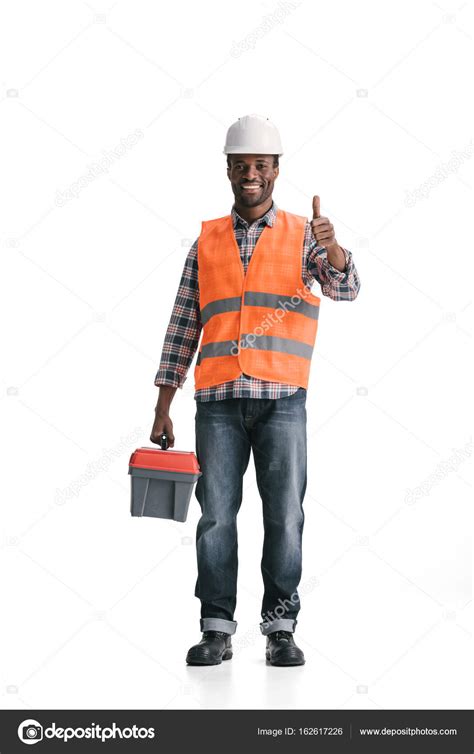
x=340 y=274
x=165 y=377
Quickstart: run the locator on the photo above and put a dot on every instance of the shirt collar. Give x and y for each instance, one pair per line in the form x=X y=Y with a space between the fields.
x=268 y=218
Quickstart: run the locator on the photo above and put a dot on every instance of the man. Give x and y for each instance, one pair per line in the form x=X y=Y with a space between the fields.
x=246 y=285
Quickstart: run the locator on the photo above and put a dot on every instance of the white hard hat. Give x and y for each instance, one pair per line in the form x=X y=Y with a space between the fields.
x=253 y=134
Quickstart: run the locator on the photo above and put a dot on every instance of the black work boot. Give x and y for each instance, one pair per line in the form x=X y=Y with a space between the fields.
x=214 y=647
x=282 y=650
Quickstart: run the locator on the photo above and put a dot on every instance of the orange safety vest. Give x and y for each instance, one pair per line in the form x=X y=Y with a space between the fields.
x=262 y=323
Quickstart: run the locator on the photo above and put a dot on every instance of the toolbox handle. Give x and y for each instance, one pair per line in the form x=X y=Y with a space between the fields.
x=164 y=441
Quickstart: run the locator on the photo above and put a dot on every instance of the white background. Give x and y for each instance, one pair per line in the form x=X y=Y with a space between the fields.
x=373 y=104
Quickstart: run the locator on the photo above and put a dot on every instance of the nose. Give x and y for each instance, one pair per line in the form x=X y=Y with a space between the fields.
x=251 y=173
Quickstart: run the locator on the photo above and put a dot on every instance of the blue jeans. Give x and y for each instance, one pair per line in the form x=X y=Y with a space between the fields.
x=226 y=430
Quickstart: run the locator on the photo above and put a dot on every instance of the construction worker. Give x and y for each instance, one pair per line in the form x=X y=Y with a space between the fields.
x=246 y=285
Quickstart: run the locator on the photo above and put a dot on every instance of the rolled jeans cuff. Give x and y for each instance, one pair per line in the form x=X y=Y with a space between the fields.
x=281 y=624
x=218 y=624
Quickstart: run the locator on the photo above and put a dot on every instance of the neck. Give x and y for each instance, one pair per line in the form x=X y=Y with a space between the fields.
x=250 y=214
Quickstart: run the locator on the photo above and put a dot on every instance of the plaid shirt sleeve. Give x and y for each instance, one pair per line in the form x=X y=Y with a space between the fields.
x=184 y=328
x=340 y=286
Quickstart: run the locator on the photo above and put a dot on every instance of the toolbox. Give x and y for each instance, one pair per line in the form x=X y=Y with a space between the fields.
x=162 y=481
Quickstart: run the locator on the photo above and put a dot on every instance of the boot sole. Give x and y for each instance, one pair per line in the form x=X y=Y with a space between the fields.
x=227 y=655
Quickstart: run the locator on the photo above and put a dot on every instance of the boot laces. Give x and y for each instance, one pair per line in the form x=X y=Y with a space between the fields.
x=282 y=635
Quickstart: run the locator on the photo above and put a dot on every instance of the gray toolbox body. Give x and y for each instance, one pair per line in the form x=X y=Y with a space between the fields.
x=162 y=482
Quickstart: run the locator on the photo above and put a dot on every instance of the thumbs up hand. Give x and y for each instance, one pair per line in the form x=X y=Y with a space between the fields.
x=316 y=207
x=322 y=228
x=323 y=231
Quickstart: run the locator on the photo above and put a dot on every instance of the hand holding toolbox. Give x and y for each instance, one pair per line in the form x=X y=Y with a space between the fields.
x=162 y=481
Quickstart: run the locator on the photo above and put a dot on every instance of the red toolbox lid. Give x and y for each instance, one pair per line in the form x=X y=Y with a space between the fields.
x=165 y=460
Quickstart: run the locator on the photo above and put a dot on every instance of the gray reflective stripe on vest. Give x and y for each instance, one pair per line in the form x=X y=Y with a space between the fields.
x=259 y=342
x=218 y=307
x=220 y=348
x=275 y=301
x=255 y=298
x=274 y=343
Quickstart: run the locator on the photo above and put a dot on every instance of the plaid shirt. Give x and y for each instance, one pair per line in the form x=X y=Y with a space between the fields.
x=184 y=328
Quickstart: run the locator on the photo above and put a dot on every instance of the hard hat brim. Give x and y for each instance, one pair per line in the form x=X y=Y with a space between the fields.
x=246 y=150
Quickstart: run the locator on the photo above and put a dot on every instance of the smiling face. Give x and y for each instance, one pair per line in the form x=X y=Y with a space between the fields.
x=252 y=177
